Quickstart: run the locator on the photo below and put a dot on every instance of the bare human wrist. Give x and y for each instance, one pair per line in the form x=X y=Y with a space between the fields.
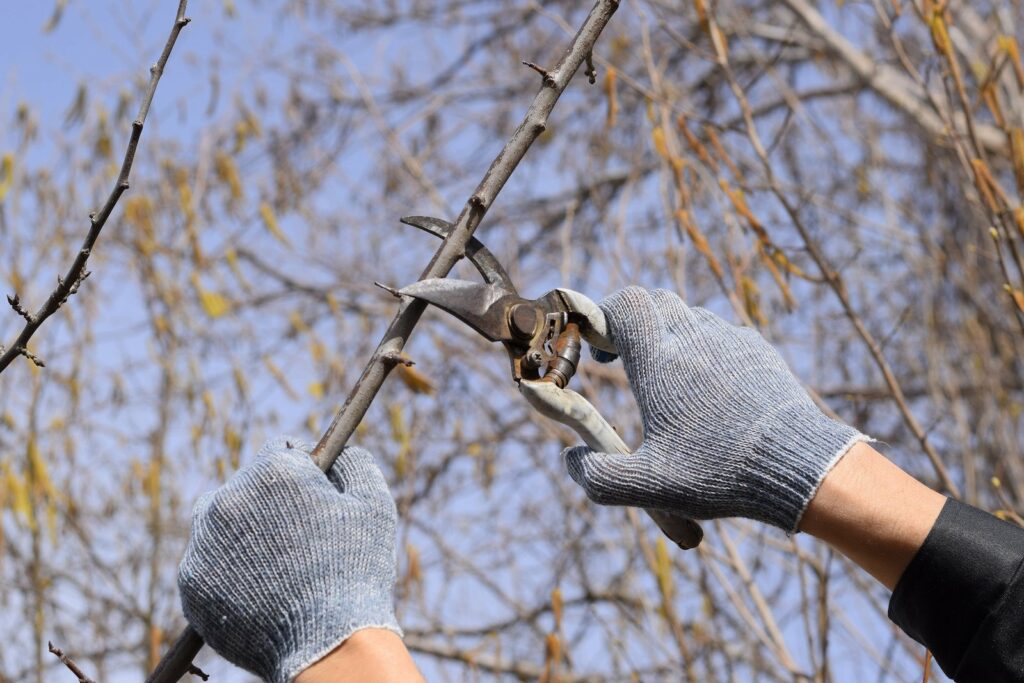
x=873 y=512
x=370 y=654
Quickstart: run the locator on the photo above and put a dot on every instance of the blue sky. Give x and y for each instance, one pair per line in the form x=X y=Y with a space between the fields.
x=107 y=50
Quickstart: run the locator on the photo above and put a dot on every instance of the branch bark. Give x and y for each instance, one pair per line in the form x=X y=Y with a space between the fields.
x=69 y=663
x=76 y=274
x=385 y=357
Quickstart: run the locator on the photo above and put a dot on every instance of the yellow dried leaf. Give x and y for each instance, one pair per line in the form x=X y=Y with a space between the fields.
x=332 y=303
x=156 y=639
x=1017 y=153
x=552 y=649
x=415 y=380
x=208 y=404
x=51 y=521
x=716 y=145
x=698 y=148
x=1018 y=298
x=413 y=571
x=400 y=433
x=233 y=442
x=227 y=172
x=270 y=221
x=39 y=475
x=241 y=383
x=940 y=35
x=316 y=349
x=1011 y=47
x=214 y=305
x=277 y=374
x=751 y=297
x=610 y=77
x=702 y=12
x=17 y=494
x=6 y=175
x=297 y=323
x=780 y=257
x=658 y=137
x=151 y=484
x=700 y=242
x=231 y=256
x=556 y=607
x=663 y=569
x=316 y=390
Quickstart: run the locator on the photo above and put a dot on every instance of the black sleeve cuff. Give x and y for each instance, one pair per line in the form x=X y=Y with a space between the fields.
x=962 y=595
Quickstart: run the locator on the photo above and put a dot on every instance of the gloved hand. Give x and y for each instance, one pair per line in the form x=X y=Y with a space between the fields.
x=728 y=430
x=285 y=563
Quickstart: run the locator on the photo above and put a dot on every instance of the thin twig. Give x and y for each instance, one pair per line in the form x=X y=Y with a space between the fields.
x=69 y=284
x=388 y=352
x=69 y=663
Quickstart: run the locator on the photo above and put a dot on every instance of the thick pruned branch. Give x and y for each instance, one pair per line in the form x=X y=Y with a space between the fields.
x=174 y=664
x=68 y=285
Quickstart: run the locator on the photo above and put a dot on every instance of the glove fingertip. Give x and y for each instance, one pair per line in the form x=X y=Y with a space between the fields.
x=357 y=473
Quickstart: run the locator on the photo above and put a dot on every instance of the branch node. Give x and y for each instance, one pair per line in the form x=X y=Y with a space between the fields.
x=549 y=80
x=393 y=358
x=591 y=72
x=478 y=201
x=390 y=290
x=36 y=360
x=182 y=23
x=15 y=302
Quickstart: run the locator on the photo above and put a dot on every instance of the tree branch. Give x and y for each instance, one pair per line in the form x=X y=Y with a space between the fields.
x=72 y=280
x=451 y=250
x=69 y=663
x=174 y=664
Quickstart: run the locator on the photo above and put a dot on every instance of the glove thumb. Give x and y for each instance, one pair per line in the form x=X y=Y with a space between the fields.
x=607 y=478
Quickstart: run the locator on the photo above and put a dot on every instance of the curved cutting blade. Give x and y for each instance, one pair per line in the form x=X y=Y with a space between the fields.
x=483 y=307
x=479 y=255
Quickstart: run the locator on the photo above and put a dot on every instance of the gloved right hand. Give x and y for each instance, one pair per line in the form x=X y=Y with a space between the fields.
x=728 y=430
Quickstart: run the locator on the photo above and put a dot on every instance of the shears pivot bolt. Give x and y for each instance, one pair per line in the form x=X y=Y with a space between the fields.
x=522 y=320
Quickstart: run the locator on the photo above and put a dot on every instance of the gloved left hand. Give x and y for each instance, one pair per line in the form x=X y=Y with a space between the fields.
x=284 y=563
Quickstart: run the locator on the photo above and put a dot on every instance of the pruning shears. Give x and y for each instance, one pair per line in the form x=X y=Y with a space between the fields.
x=543 y=340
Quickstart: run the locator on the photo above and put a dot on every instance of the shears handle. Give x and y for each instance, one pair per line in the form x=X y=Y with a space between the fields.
x=571 y=409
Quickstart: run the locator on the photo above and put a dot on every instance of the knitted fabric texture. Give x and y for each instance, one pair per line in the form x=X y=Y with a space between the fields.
x=285 y=563
x=728 y=430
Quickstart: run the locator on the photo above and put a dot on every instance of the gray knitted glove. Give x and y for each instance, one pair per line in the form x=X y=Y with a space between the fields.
x=285 y=563
x=728 y=430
